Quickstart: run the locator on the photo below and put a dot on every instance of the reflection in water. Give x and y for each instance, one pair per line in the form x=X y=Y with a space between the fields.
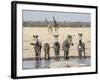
x=37 y=64
x=40 y=64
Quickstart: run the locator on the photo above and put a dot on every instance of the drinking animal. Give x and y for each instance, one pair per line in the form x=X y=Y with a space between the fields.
x=47 y=51
x=66 y=46
x=81 y=46
x=37 y=47
x=56 y=47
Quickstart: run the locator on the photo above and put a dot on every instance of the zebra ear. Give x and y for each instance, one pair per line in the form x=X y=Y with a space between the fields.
x=34 y=36
x=81 y=34
x=57 y=35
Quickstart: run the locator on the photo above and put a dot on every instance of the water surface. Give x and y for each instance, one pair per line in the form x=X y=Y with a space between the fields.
x=32 y=64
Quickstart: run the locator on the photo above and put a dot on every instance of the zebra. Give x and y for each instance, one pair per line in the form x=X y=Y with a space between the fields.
x=37 y=47
x=56 y=47
x=47 y=51
x=81 y=46
x=66 y=45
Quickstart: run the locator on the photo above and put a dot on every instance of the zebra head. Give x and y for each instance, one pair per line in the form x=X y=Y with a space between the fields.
x=35 y=38
x=80 y=36
x=69 y=38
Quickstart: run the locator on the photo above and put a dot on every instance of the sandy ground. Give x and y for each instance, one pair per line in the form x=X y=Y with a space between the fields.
x=44 y=36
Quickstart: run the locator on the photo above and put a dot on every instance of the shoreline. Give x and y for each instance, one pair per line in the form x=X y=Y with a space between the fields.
x=61 y=57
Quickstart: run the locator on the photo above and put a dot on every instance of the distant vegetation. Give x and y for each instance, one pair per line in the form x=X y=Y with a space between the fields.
x=61 y=24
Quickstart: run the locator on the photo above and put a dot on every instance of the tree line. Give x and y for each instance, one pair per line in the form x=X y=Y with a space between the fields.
x=60 y=23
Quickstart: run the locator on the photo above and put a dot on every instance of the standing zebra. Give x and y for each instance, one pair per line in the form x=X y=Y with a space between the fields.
x=81 y=46
x=66 y=45
x=37 y=47
x=56 y=47
x=47 y=51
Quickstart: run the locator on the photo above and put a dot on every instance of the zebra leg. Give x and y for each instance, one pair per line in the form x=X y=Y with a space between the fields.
x=36 y=55
x=84 y=54
x=56 y=54
x=80 y=53
x=64 y=54
x=67 y=54
x=48 y=55
x=59 y=55
x=45 y=54
x=39 y=55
